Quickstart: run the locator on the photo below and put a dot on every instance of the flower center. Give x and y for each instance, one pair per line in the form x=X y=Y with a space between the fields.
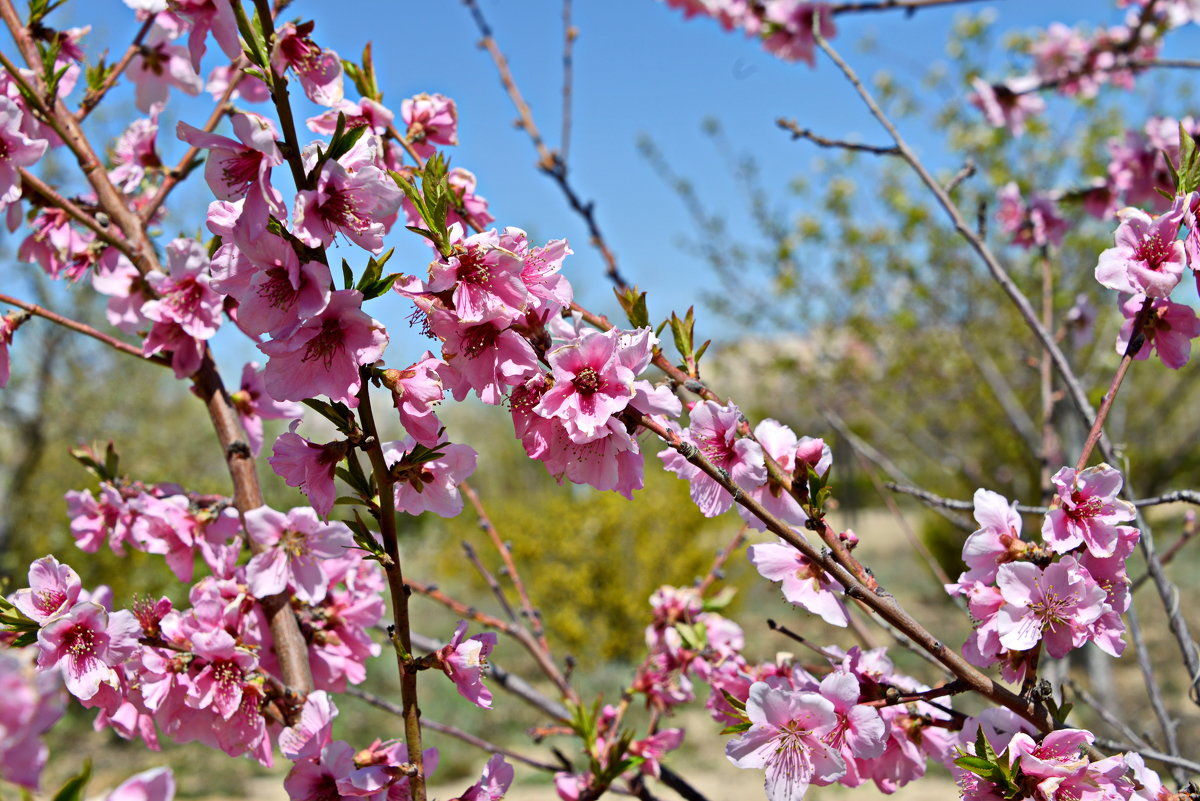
x=325 y=345
x=587 y=381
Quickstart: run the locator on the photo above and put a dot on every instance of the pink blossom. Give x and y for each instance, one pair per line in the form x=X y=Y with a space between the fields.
x=319 y=71
x=804 y=583
x=429 y=120
x=792 y=455
x=996 y=539
x=160 y=65
x=313 y=731
x=429 y=485
x=205 y=16
x=254 y=405
x=365 y=111
x=860 y=733
x=296 y=545
x=713 y=431
x=785 y=738
x=1057 y=605
x=464 y=662
x=549 y=289
x=789 y=28
x=156 y=784
x=482 y=279
x=33 y=703
x=1148 y=257
x=318 y=780
x=184 y=296
x=8 y=327
x=56 y=245
x=1008 y=104
x=487 y=357
x=653 y=748
x=1032 y=223
x=416 y=390
x=493 y=784
x=1110 y=571
x=591 y=384
x=322 y=356
x=221 y=681
x=1088 y=510
x=86 y=643
x=249 y=88
x=53 y=589
x=136 y=152
x=234 y=168
x=462 y=183
x=308 y=466
x=355 y=204
x=16 y=150
x=1169 y=330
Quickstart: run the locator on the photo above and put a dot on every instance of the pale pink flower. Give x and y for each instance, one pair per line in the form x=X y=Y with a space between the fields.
x=803 y=583
x=464 y=661
x=53 y=589
x=160 y=65
x=991 y=545
x=1056 y=605
x=1088 y=510
x=318 y=780
x=184 y=296
x=482 y=279
x=416 y=390
x=249 y=88
x=713 y=431
x=364 y=111
x=308 y=466
x=860 y=733
x=549 y=289
x=313 y=731
x=322 y=356
x=297 y=543
x=432 y=485
x=8 y=327
x=429 y=120
x=86 y=643
x=165 y=526
x=205 y=16
x=785 y=738
x=792 y=455
x=56 y=245
x=33 y=703
x=487 y=357
x=254 y=405
x=221 y=681
x=16 y=150
x=355 y=204
x=319 y=71
x=136 y=152
x=1169 y=330
x=462 y=183
x=234 y=168
x=1006 y=105
x=1110 y=571
x=790 y=35
x=156 y=784
x=1148 y=257
x=493 y=784
x=591 y=384
x=653 y=748
x=1035 y=222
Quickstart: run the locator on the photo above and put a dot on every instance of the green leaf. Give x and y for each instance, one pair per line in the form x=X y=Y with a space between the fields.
x=720 y=600
x=74 y=788
x=734 y=702
x=634 y=304
x=702 y=349
x=978 y=766
x=347 y=275
x=737 y=728
x=683 y=339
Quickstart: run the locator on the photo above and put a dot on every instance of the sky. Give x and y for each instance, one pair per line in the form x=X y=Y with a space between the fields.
x=640 y=70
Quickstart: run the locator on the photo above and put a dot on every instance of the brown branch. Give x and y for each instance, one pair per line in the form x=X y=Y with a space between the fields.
x=714 y=571
x=82 y=328
x=907 y=6
x=489 y=579
x=31 y=182
x=797 y=132
x=396 y=587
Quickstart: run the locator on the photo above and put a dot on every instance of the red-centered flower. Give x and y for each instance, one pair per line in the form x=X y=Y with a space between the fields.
x=1149 y=257
x=319 y=71
x=591 y=384
x=86 y=643
x=234 y=168
x=1088 y=512
x=1169 y=330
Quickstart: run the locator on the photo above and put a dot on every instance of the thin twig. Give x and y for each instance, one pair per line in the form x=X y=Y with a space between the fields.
x=1165 y=721
x=94 y=96
x=570 y=33
x=1154 y=756
x=714 y=570
x=1106 y=714
x=470 y=739
x=968 y=169
x=1189 y=532
x=908 y=6
x=489 y=579
x=937 y=501
x=840 y=144
x=83 y=328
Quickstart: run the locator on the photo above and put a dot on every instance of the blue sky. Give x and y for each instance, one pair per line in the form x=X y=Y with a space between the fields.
x=640 y=70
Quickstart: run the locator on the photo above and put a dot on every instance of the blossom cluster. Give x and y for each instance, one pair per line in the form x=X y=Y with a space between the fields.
x=1059 y=595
